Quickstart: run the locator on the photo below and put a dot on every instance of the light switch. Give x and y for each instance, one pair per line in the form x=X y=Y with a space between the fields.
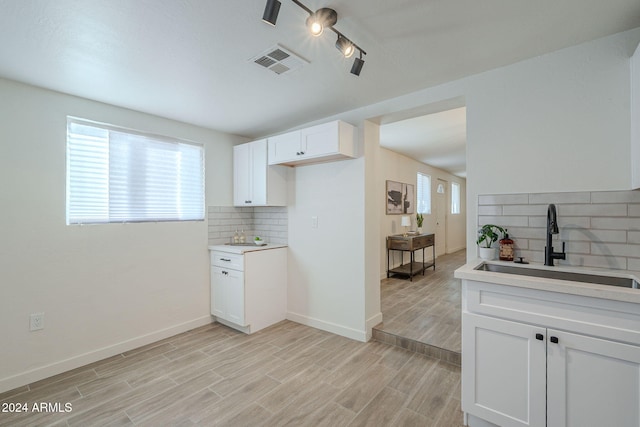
x=314 y=222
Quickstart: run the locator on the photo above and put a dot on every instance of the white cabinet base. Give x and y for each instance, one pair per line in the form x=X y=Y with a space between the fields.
x=252 y=294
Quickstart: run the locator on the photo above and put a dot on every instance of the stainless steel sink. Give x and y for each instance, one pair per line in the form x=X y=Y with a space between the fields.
x=624 y=282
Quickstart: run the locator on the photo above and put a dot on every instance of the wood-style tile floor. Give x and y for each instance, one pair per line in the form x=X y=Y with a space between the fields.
x=285 y=375
x=427 y=309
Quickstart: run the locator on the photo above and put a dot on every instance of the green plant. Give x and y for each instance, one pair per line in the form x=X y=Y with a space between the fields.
x=488 y=233
x=419 y=219
x=257 y=238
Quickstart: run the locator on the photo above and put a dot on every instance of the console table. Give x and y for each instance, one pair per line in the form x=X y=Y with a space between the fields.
x=410 y=243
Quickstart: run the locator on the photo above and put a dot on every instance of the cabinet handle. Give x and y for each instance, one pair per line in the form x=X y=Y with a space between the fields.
x=247 y=201
x=302 y=153
x=554 y=340
x=226 y=273
x=297 y=153
x=539 y=337
x=225 y=259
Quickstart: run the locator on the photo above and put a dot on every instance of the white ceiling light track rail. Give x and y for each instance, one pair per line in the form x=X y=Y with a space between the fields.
x=317 y=22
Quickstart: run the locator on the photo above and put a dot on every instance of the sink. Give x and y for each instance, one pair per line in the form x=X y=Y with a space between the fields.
x=623 y=282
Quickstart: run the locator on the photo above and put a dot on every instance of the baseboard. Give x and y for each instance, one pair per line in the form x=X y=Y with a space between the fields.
x=452 y=250
x=334 y=328
x=74 y=362
x=371 y=322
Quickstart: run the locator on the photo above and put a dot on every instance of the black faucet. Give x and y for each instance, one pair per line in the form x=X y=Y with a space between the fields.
x=552 y=228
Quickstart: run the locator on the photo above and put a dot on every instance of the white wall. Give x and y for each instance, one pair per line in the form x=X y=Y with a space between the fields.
x=103 y=288
x=555 y=123
x=397 y=167
x=326 y=287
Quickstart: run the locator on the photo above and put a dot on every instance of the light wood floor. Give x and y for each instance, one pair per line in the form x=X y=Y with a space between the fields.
x=428 y=308
x=288 y=374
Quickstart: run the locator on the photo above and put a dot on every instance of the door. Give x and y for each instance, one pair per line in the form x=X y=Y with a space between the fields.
x=227 y=295
x=319 y=140
x=258 y=172
x=241 y=175
x=503 y=371
x=441 y=216
x=217 y=292
x=284 y=148
x=592 y=382
x=234 y=297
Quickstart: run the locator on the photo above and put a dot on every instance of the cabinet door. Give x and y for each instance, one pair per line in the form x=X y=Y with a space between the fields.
x=258 y=169
x=635 y=119
x=234 y=297
x=241 y=175
x=592 y=382
x=284 y=148
x=503 y=371
x=218 y=292
x=320 y=140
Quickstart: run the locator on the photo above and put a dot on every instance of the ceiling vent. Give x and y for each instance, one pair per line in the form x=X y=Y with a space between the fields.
x=279 y=60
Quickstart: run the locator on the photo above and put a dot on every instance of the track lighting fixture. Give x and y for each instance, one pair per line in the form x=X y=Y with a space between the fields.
x=271 y=11
x=345 y=46
x=317 y=22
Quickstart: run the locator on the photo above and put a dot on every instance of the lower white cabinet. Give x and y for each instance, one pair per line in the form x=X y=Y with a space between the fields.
x=249 y=291
x=570 y=362
x=228 y=288
x=591 y=381
x=506 y=382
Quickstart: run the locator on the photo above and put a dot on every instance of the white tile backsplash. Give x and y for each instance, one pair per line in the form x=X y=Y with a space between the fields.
x=600 y=229
x=270 y=223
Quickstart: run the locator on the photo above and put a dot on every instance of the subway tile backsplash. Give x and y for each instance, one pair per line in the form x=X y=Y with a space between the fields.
x=270 y=223
x=600 y=229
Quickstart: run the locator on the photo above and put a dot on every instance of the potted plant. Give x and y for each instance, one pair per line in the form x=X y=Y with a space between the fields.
x=487 y=235
x=419 y=220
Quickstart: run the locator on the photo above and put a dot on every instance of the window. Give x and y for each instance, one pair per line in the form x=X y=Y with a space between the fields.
x=455 y=198
x=423 y=204
x=118 y=175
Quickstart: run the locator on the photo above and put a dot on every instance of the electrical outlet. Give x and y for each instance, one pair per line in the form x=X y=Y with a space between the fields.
x=36 y=321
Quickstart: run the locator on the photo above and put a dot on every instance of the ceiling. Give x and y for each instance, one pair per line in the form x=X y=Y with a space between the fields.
x=189 y=60
x=437 y=139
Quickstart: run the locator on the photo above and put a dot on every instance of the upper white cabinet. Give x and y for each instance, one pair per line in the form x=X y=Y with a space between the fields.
x=321 y=143
x=635 y=119
x=254 y=182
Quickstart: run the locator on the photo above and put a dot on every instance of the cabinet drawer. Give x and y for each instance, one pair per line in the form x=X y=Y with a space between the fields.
x=410 y=243
x=227 y=260
x=399 y=244
x=423 y=241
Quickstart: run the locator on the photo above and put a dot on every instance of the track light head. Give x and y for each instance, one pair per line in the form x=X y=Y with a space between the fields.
x=345 y=46
x=321 y=19
x=358 y=63
x=271 y=11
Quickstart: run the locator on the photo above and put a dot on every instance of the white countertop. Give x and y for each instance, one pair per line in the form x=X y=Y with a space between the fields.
x=239 y=249
x=616 y=293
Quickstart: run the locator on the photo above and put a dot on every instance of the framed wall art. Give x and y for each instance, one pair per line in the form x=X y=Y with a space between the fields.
x=400 y=198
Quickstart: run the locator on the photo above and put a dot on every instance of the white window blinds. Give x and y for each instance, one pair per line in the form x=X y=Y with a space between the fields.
x=116 y=175
x=424 y=194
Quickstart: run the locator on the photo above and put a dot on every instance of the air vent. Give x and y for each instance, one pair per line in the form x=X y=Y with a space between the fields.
x=279 y=60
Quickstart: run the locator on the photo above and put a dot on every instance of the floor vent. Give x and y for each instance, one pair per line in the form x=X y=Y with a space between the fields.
x=279 y=60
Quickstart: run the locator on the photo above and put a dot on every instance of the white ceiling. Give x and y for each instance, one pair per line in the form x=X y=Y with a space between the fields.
x=437 y=139
x=189 y=59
